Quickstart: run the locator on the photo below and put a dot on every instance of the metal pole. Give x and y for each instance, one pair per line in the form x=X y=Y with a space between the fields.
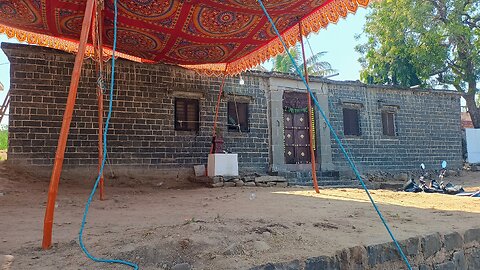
x=67 y=118
x=311 y=116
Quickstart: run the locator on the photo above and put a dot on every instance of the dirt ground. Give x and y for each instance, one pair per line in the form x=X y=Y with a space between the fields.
x=228 y=228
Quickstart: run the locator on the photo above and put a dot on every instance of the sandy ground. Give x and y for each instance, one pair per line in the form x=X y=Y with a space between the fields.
x=223 y=228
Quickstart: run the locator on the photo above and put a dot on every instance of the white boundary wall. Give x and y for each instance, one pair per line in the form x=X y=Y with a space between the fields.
x=473 y=145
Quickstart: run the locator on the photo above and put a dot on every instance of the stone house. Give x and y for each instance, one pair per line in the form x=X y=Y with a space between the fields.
x=163 y=119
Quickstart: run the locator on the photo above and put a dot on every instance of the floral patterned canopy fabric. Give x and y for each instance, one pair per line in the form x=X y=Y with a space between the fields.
x=214 y=35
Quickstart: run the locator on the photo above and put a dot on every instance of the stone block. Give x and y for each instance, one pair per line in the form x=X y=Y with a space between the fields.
x=282 y=184
x=471 y=235
x=217 y=179
x=381 y=253
x=472 y=258
x=321 y=263
x=459 y=260
x=269 y=178
x=352 y=258
x=431 y=244
x=249 y=178
x=293 y=265
x=239 y=183
x=410 y=246
x=452 y=241
x=228 y=184
x=424 y=267
x=230 y=178
x=217 y=185
x=445 y=266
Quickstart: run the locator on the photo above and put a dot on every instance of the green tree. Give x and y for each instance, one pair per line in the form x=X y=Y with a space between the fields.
x=316 y=67
x=424 y=42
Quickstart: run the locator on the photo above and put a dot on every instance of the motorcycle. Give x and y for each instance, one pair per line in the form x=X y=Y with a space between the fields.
x=412 y=186
x=433 y=186
x=448 y=188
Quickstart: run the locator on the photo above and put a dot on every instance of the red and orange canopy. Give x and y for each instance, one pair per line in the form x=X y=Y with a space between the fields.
x=214 y=35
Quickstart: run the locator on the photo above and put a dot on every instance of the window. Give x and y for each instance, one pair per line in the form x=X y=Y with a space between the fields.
x=237 y=116
x=351 y=124
x=186 y=114
x=388 y=121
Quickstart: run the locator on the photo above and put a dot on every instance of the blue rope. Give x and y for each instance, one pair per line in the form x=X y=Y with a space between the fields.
x=87 y=206
x=330 y=103
x=337 y=139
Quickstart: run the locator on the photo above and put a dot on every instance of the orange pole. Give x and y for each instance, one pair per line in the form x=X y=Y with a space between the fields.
x=67 y=118
x=310 y=115
x=217 y=108
x=97 y=39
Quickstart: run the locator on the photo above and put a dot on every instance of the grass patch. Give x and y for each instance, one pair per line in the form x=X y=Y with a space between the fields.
x=3 y=139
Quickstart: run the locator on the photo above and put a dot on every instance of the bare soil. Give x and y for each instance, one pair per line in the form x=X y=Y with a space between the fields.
x=158 y=225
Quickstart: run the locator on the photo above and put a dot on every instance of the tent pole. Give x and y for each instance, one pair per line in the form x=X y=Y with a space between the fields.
x=98 y=41
x=311 y=115
x=214 y=132
x=67 y=118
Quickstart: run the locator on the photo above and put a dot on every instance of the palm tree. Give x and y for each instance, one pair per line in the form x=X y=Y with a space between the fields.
x=315 y=67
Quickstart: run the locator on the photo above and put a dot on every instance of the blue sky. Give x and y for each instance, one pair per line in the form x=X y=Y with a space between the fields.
x=338 y=40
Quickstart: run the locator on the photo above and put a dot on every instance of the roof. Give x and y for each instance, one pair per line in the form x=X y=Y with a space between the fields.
x=292 y=76
x=227 y=36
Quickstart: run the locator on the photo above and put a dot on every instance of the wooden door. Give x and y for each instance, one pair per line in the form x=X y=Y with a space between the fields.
x=297 y=130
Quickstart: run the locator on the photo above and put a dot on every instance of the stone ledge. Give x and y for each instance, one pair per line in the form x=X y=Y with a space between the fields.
x=240 y=181
x=429 y=252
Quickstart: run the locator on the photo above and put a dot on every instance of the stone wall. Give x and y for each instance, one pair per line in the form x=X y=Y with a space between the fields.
x=450 y=251
x=142 y=127
x=427 y=128
x=141 y=131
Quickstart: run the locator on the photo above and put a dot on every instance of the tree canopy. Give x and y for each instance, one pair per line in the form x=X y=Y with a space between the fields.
x=424 y=42
x=316 y=67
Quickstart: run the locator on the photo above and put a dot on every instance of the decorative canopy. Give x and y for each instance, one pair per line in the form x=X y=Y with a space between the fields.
x=211 y=35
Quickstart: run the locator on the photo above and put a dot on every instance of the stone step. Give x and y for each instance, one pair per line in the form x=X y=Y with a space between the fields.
x=346 y=184
x=325 y=179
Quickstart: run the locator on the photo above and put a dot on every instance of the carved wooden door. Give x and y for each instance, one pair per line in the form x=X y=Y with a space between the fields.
x=297 y=130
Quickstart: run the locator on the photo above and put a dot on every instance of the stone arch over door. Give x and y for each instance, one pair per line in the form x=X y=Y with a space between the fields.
x=277 y=87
